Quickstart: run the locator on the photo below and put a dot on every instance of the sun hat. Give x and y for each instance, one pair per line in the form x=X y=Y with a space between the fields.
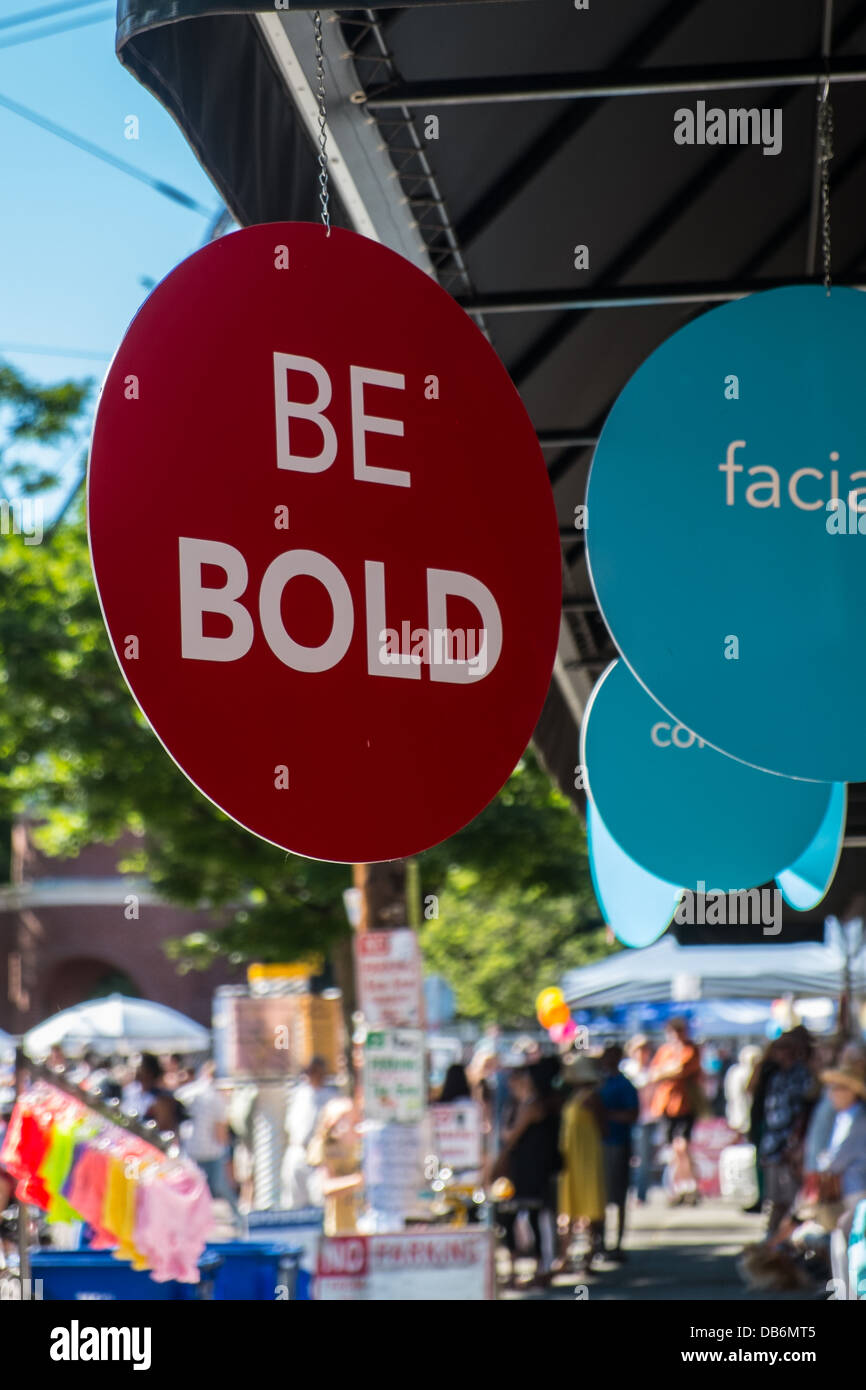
x=850 y=1075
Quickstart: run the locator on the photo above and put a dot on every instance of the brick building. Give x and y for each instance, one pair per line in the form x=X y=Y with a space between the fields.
x=69 y=932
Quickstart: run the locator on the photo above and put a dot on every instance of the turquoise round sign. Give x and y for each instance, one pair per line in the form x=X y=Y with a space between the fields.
x=683 y=811
x=806 y=882
x=637 y=906
x=726 y=529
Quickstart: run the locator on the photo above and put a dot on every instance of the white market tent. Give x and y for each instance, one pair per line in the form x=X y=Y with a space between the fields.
x=118 y=1024
x=667 y=972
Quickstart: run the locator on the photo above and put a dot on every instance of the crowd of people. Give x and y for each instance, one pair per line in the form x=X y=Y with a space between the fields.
x=570 y=1140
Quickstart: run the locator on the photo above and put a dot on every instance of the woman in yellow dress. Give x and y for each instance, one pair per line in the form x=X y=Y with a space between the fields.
x=581 y=1179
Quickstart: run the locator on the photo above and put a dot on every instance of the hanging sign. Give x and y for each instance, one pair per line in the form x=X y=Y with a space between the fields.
x=683 y=811
x=388 y=972
x=394 y=1075
x=325 y=542
x=727 y=529
x=636 y=905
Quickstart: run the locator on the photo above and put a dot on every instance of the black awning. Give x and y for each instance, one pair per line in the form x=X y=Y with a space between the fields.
x=136 y=16
x=215 y=77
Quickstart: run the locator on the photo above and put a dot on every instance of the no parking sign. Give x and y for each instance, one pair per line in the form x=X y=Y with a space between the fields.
x=324 y=542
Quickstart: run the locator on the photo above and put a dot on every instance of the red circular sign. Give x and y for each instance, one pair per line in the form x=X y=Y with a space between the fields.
x=325 y=542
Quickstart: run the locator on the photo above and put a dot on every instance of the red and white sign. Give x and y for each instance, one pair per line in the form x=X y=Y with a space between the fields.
x=709 y=1136
x=325 y=542
x=457 y=1135
x=389 y=978
x=441 y=1265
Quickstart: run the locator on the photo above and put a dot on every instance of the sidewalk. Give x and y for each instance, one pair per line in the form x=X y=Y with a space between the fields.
x=680 y=1253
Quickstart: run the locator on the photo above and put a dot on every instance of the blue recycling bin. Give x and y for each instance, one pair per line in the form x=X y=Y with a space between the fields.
x=71 y=1275
x=253 y=1272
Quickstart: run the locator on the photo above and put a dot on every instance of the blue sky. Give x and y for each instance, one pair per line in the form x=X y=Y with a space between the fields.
x=76 y=235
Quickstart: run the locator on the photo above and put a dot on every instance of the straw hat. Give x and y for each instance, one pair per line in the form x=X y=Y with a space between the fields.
x=850 y=1075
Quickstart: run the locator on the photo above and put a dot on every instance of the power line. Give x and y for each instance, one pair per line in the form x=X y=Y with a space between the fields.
x=27 y=17
x=166 y=189
x=57 y=29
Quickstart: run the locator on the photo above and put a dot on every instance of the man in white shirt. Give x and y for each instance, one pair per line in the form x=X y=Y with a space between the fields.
x=206 y=1131
x=306 y=1104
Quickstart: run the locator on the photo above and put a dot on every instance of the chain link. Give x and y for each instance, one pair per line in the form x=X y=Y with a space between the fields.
x=324 y=195
x=825 y=154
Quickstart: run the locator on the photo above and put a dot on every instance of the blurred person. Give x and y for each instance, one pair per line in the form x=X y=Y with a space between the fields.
x=637 y=1067
x=149 y=1099
x=582 y=1198
x=176 y=1072
x=206 y=1139
x=530 y=1159
x=822 y=1214
x=455 y=1086
x=56 y=1058
x=788 y=1100
x=335 y=1149
x=306 y=1103
x=677 y=1100
x=620 y=1104
x=823 y=1116
x=140 y=1093
x=738 y=1101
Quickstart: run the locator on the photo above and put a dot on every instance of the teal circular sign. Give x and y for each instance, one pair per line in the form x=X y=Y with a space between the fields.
x=637 y=906
x=726 y=529
x=806 y=882
x=683 y=811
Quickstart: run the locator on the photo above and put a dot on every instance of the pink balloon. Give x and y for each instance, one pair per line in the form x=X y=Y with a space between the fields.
x=569 y=1031
x=557 y=1031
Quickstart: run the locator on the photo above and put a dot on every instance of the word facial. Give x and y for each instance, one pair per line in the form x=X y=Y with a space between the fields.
x=443 y=647
x=733 y=127
x=22 y=517
x=768 y=492
x=753 y=907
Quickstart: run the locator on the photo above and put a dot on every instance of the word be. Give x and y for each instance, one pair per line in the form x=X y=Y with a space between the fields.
x=733 y=127
x=752 y=907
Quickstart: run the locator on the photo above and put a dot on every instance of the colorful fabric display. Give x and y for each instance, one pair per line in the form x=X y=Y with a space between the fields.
x=147 y=1208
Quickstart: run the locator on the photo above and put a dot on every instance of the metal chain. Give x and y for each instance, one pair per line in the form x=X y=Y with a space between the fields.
x=324 y=196
x=825 y=154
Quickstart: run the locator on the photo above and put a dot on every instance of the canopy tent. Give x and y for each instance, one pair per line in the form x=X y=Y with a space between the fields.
x=553 y=129
x=118 y=1024
x=668 y=971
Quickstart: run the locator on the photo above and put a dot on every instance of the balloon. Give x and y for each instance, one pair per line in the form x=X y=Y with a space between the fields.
x=557 y=1032
x=569 y=1031
x=556 y=1013
x=547 y=999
